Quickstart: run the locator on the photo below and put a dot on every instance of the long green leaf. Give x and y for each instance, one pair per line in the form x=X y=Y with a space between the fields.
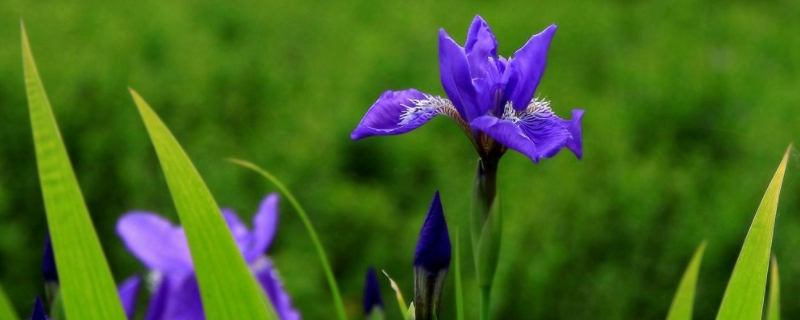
x=337 y=298
x=227 y=286
x=774 y=301
x=459 y=289
x=683 y=302
x=744 y=296
x=6 y=309
x=87 y=286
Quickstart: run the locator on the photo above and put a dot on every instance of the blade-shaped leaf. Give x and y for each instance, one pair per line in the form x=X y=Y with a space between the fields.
x=459 y=289
x=6 y=309
x=337 y=297
x=744 y=296
x=227 y=286
x=774 y=301
x=398 y=294
x=87 y=286
x=683 y=302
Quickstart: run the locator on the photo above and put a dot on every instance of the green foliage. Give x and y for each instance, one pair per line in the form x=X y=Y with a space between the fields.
x=459 y=292
x=774 y=300
x=337 y=298
x=6 y=309
x=683 y=302
x=401 y=302
x=87 y=287
x=227 y=286
x=744 y=297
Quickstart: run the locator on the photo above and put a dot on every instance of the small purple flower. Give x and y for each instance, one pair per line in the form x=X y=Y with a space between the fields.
x=431 y=261
x=372 y=293
x=490 y=97
x=38 y=310
x=163 y=248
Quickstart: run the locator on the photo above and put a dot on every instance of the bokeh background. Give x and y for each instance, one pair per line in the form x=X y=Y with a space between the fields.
x=689 y=106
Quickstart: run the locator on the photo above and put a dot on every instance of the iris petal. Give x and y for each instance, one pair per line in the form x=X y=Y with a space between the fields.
x=155 y=241
x=508 y=134
x=271 y=283
x=526 y=68
x=265 y=224
x=456 y=78
x=391 y=115
x=128 y=290
x=546 y=131
x=575 y=142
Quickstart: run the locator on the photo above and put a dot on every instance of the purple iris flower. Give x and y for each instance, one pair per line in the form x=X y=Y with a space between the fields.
x=490 y=97
x=163 y=248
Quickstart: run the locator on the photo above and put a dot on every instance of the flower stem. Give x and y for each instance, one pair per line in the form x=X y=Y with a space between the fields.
x=485 y=300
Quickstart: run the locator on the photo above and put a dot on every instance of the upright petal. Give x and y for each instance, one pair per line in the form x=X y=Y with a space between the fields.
x=265 y=224
x=547 y=132
x=157 y=307
x=575 y=142
x=184 y=301
x=241 y=235
x=456 y=78
x=526 y=68
x=395 y=112
x=478 y=32
x=155 y=241
x=508 y=134
x=128 y=291
x=269 y=280
x=433 y=247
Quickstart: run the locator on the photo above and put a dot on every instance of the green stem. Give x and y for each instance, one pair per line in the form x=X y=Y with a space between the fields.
x=313 y=234
x=485 y=300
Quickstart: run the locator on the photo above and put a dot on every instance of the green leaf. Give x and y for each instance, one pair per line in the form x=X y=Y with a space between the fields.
x=398 y=294
x=774 y=301
x=227 y=286
x=6 y=309
x=459 y=288
x=683 y=302
x=744 y=296
x=87 y=286
x=337 y=297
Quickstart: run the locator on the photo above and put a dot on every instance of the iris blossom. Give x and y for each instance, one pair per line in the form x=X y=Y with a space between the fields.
x=163 y=248
x=489 y=96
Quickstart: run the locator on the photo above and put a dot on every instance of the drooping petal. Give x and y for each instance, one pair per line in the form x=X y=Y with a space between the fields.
x=526 y=68
x=508 y=134
x=372 y=292
x=268 y=278
x=575 y=142
x=38 y=310
x=128 y=290
x=394 y=113
x=49 y=270
x=433 y=247
x=456 y=79
x=157 y=307
x=265 y=224
x=547 y=132
x=155 y=241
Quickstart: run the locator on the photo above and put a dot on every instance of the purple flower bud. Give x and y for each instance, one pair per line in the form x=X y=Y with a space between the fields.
x=38 y=310
x=49 y=271
x=372 y=292
x=433 y=247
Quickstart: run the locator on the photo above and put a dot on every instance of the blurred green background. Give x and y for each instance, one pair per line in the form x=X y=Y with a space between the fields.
x=689 y=106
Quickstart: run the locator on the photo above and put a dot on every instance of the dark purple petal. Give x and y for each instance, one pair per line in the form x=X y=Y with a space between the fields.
x=575 y=142
x=157 y=307
x=433 y=247
x=526 y=68
x=372 y=292
x=38 y=310
x=128 y=291
x=155 y=241
x=547 y=132
x=389 y=116
x=183 y=299
x=265 y=224
x=508 y=134
x=456 y=78
x=269 y=280
x=49 y=271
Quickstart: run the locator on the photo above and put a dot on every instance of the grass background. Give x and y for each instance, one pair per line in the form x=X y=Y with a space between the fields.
x=689 y=106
